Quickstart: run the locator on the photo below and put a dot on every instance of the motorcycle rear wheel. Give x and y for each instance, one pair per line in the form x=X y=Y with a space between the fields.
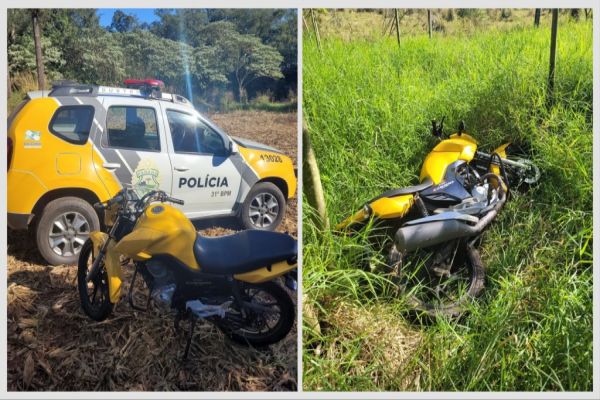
x=93 y=295
x=434 y=294
x=259 y=329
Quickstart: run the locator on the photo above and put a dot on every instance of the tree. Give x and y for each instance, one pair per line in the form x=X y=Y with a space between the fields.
x=39 y=60
x=244 y=56
x=122 y=22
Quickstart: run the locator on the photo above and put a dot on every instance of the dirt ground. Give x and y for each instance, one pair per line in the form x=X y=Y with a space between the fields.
x=53 y=345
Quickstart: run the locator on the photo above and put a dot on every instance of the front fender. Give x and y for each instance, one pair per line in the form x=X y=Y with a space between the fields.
x=501 y=151
x=111 y=263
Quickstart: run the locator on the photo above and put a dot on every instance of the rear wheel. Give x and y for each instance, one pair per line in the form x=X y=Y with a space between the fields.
x=267 y=317
x=94 y=295
x=63 y=228
x=439 y=281
x=263 y=208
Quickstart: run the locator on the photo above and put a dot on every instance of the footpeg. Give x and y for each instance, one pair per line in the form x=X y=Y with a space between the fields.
x=201 y=310
x=291 y=283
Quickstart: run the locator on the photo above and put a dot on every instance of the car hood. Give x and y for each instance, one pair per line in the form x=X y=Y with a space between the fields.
x=250 y=144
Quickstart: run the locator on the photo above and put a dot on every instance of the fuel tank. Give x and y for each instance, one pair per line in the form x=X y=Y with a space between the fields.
x=446 y=152
x=161 y=229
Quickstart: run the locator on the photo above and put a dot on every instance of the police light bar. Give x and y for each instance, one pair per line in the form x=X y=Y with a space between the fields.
x=144 y=83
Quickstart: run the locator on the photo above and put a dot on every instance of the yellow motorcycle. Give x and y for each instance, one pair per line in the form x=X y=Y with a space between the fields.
x=434 y=226
x=230 y=281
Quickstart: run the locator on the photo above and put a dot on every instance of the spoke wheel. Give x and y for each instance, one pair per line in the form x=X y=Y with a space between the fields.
x=93 y=294
x=439 y=281
x=266 y=317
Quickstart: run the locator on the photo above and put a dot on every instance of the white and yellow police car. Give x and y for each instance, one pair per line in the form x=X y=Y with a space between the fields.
x=76 y=144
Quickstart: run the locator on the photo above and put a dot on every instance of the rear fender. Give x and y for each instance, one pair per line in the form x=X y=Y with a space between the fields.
x=112 y=264
x=266 y=273
x=382 y=208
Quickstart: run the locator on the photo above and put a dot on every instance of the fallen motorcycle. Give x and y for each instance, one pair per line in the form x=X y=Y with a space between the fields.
x=435 y=226
x=229 y=281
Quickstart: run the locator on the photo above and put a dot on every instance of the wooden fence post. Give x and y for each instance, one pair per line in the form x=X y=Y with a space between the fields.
x=429 y=22
x=551 y=73
x=397 y=25
x=313 y=190
x=536 y=18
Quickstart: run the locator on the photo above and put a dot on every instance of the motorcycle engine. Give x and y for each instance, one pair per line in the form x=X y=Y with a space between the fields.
x=163 y=286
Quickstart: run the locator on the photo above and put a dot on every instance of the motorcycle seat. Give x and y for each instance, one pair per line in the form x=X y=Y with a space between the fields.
x=244 y=251
x=405 y=190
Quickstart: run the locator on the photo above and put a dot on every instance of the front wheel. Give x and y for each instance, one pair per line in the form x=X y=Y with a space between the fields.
x=94 y=295
x=266 y=317
x=441 y=280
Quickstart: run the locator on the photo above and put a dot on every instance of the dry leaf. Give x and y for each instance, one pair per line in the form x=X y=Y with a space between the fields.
x=28 y=370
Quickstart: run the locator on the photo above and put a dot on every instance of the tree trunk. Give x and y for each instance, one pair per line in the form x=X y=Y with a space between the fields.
x=8 y=86
x=536 y=18
x=241 y=93
x=37 y=40
x=313 y=189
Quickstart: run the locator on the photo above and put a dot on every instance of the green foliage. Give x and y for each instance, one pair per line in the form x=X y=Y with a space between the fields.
x=194 y=55
x=368 y=107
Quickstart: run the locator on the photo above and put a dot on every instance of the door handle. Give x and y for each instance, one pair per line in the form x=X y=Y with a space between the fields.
x=181 y=169
x=111 y=165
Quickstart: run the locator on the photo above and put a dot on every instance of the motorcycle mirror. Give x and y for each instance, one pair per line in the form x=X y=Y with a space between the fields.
x=461 y=127
x=434 y=128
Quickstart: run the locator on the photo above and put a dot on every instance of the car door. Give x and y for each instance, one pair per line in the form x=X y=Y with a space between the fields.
x=204 y=175
x=133 y=144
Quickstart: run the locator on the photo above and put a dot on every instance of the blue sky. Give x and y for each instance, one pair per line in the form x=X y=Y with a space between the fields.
x=143 y=14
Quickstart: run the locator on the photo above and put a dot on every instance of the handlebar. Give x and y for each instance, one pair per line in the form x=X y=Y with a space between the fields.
x=175 y=201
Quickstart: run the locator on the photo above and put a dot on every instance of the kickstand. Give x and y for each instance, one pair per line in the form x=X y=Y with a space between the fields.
x=189 y=339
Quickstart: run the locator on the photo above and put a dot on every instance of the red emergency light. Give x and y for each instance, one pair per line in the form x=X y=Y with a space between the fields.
x=144 y=83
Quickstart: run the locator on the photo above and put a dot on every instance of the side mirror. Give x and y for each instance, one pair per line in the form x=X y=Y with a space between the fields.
x=231 y=148
x=461 y=127
x=437 y=130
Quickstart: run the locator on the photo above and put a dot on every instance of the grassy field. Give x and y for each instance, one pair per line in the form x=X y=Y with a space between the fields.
x=53 y=345
x=368 y=105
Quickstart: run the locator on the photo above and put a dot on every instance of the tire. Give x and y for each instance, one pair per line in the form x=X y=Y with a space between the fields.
x=452 y=309
x=265 y=191
x=103 y=308
x=57 y=213
x=287 y=312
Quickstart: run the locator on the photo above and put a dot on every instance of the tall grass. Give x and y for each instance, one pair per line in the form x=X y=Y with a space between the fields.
x=368 y=106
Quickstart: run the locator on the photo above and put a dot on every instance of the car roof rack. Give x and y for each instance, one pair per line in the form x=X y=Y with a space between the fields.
x=145 y=89
x=71 y=88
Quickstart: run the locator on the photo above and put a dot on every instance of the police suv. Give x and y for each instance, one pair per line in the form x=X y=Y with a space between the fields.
x=79 y=144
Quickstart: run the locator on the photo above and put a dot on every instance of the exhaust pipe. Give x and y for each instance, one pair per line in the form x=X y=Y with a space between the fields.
x=409 y=238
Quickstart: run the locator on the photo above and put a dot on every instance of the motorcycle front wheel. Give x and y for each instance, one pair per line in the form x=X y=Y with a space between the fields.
x=438 y=281
x=266 y=317
x=93 y=295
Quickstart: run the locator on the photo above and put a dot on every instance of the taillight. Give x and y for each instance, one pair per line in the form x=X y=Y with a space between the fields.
x=9 y=151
